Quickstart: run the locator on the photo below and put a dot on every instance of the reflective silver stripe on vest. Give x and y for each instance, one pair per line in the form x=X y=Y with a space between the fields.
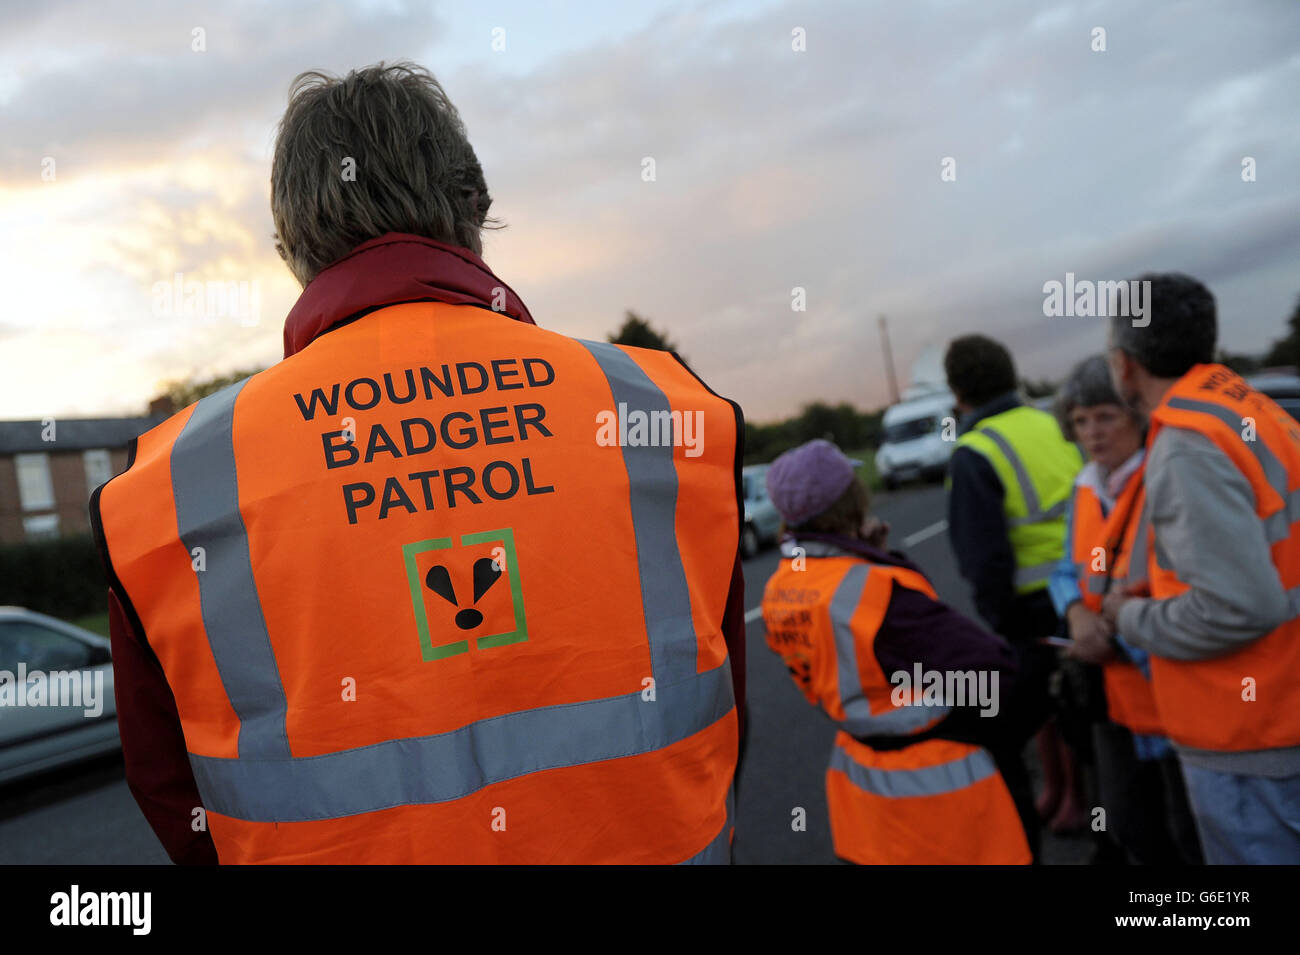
x=1057 y=510
x=718 y=852
x=652 y=477
x=929 y=781
x=858 y=719
x=1032 y=575
x=1096 y=584
x=206 y=490
x=1277 y=526
x=432 y=769
x=1293 y=595
x=273 y=786
x=1027 y=489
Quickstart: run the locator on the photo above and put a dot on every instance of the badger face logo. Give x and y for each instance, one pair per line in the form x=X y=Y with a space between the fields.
x=486 y=573
x=466 y=593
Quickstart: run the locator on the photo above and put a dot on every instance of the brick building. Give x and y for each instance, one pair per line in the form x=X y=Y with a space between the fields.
x=48 y=470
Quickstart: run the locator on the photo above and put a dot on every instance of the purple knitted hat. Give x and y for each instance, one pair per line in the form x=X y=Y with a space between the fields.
x=808 y=479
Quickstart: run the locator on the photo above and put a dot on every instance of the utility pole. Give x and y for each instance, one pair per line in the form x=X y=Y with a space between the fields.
x=889 y=359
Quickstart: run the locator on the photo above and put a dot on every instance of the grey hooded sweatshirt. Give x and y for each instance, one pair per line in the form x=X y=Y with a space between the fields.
x=1202 y=513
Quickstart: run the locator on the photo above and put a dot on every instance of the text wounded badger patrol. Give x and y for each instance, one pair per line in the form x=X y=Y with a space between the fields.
x=416 y=435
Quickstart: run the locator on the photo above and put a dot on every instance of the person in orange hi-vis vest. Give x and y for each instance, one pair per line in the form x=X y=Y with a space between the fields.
x=442 y=585
x=1222 y=618
x=914 y=687
x=1139 y=781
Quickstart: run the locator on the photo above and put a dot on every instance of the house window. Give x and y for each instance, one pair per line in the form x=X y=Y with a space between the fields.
x=45 y=525
x=35 y=489
x=99 y=468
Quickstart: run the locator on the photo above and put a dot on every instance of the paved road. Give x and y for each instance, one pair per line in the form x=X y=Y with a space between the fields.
x=86 y=815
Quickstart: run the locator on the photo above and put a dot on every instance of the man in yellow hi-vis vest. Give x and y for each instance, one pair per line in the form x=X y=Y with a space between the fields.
x=1010 y=480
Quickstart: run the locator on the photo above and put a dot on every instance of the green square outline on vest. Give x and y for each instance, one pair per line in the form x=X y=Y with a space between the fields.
x=428 y=650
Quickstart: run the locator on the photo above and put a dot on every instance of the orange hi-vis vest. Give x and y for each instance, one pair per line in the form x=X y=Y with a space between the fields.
x=445 y=587
x=933 y=802
x=1249 y=699
x=1102 y=548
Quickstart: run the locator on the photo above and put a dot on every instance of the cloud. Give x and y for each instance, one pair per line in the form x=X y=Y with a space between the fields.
x=89 y=104
x=773 y=169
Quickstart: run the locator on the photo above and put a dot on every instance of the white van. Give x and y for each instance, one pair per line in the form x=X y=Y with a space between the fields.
x=912 y=440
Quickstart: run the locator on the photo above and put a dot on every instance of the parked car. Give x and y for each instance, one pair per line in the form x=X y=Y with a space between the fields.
x=1282 y=386
x=34 y=738
x=912 y=441
x=762 y=520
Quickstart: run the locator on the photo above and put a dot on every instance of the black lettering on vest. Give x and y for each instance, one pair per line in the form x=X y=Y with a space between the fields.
x=529 y=486
x=469 y=437
x=465 y=389
x=394 y=495
x=528 y=370
x=524 y=420
x=380 y=441
x=487 y=480
x=423 y=477
x=353 y=503
x=330 y=404
x=488 y=425
x=1217 y=378
x=351 y=396
x=448 y=477
x=333 y=448
x=408 y=439
x=410 y=387
x=430 y=381
x=498 y=372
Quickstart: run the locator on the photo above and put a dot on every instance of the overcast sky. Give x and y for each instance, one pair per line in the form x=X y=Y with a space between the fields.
x=127 y=156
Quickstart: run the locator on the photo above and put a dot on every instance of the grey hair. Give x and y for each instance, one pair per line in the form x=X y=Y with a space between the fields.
x=1180 y=330
x=1088 y=384
x=414 y=168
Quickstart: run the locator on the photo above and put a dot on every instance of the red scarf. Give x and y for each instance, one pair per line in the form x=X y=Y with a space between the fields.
x=391 y=269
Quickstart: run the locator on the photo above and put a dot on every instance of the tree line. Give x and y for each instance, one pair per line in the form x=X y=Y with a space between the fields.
x=1283 y=353
x=847 y=426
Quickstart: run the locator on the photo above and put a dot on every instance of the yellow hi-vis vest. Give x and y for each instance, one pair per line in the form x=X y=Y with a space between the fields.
x=1037 y=467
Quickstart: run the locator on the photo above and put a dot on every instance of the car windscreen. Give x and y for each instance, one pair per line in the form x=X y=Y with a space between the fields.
x=39 y=647
x=907 y=430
